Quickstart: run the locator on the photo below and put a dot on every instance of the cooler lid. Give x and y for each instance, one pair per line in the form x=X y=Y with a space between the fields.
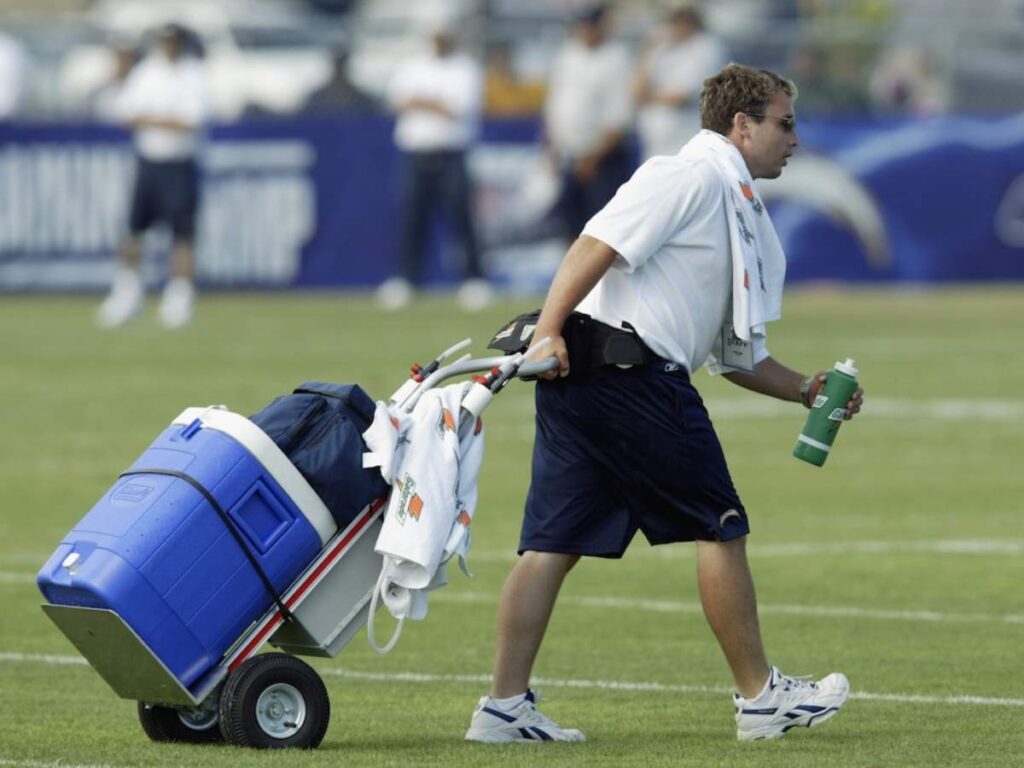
x=266 y=452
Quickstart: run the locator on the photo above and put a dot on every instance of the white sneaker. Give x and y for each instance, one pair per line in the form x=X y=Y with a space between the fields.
x=474 y=294
x=124 y=301
x=521 y=723
x=178 y=303
x=394 y=293
x=788 y=702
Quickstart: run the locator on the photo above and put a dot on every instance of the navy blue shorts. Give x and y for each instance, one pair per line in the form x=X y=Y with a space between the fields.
x=165 y=193
x=622 y=450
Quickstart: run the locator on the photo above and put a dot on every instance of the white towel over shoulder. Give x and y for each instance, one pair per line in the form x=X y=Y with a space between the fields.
x=433 y=496
x=758 y=261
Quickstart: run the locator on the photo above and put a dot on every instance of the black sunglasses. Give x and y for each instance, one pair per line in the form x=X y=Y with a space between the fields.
x=788 y=123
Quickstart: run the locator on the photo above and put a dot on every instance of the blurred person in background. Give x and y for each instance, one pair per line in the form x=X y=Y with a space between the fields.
x=13 y=76
x=164 y=104
x=907 y=81
x=103 y=102
x=339 y=93
x=587 y=118
x=668 y=79
x=848 y=80
x=437 y=99
x=809 y=66
x=506 y=94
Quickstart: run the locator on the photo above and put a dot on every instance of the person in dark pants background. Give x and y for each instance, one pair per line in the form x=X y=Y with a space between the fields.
x=437 y=99
x=163 y=102
x=587 y=119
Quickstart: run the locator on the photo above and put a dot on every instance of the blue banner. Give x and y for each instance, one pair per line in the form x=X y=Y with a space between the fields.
x=312 y=202
x=922 y=201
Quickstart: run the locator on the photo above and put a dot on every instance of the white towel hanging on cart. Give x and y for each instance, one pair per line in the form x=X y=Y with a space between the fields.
x=433 y=477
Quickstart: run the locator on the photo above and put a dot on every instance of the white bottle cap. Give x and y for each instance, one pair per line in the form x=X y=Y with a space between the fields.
x=847 y=367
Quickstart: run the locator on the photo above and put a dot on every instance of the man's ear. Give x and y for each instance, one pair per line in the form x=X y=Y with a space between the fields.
x=740 y=127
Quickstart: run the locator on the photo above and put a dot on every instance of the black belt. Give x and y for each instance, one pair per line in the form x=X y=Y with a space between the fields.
x=617 y=346
x=589 y=342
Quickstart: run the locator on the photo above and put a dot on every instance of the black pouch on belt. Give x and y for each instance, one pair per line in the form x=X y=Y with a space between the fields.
x=590 y=342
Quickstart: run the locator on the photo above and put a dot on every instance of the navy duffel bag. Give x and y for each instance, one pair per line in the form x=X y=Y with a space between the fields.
x=319 y=427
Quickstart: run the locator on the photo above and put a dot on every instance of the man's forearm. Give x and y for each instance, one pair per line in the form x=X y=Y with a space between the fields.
x=772 y=378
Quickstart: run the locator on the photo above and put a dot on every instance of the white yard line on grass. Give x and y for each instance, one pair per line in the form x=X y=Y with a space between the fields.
x=43 y=658
x=672 y=606
x=880 y=407
x=972 y=547
x=825 y=611
x=944 y=409
x=22 y=560
x=940 y=547
x=615 y=685
x=11 y=577
x=56 y=764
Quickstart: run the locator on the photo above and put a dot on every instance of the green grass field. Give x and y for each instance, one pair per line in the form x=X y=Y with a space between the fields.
x=901 y=562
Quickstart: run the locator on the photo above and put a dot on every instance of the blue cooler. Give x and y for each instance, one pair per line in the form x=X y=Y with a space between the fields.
x=157 y=553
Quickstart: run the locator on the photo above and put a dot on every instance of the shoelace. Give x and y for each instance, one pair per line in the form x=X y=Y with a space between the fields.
x=536 y=716
x=798 y=682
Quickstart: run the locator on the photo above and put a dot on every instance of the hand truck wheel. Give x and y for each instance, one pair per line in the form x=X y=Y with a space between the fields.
x=192 y=726
x=274 y=701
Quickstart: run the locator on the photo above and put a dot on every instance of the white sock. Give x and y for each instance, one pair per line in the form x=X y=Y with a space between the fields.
x=764 y=690
x=510 y=703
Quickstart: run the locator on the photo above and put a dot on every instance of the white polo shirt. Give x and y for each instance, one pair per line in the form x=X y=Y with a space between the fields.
x=673 y=278
x=160 y=88
x=588 y=96
x=457 y=82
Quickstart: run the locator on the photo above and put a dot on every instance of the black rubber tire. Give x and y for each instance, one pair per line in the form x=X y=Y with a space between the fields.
x=168 y=724
x=240 y=723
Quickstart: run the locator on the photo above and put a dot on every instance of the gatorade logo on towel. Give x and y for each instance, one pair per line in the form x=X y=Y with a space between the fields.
x=748 y=193
x=745 y=232
x=409 y=503
x=445 y=422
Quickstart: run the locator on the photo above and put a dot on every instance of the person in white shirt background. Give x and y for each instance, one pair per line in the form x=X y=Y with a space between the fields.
x=163 y=102
x=437 y=98
x=103 y=102
x=668 y=79
x=587 y=118
x=14 y=68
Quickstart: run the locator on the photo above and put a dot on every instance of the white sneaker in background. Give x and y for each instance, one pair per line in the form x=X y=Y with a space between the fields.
x=394 y=293
x=474 y=294
x=124 y=301
x=178 y=303
x=788 y=702
x=523 y=722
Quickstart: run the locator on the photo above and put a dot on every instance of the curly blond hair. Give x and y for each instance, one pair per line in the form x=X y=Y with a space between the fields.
x=738 y=88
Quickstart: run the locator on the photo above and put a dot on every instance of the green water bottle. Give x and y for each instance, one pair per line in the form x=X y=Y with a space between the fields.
x=826 y=414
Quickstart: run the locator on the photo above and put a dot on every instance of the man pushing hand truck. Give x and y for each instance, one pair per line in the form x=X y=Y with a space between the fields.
x=681 y=268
